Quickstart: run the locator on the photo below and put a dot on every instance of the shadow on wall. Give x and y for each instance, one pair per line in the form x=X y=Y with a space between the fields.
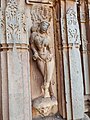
x=55 y=117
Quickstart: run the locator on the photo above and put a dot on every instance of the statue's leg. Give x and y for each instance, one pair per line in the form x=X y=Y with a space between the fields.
x=41 y=65
x=51 y=90
x=48 y=72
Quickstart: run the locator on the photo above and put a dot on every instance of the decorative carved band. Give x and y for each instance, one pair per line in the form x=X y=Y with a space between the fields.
x=11 y=46
x=40 y=1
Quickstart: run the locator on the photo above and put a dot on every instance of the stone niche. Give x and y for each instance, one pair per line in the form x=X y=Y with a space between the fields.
x=42 y=61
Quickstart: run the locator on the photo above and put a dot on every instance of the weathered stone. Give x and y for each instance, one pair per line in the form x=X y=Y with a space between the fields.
x=58 y=30
x=84 y=51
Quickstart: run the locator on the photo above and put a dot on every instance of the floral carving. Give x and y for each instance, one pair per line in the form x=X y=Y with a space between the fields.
x=40 y=13
x=2 y=26
x=15 y=22
x=72 y=27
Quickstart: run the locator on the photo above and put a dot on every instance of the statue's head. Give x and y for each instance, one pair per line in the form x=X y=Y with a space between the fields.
x=34 y=28
x=44 y=26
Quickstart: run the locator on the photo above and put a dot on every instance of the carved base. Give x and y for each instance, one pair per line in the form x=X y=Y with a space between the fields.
x=44 y=105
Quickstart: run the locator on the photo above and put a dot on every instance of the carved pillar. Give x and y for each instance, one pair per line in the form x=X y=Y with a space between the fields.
x=0 y=74
x=59 y=59
x=84 y=47
x=3 y=62
x=3 y=4
x=19 y=92
x=65 y=60
x=89 y=34
x=76 y=78
x=87 y=97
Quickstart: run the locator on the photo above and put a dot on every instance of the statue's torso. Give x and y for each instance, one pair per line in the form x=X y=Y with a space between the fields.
x=42 y=42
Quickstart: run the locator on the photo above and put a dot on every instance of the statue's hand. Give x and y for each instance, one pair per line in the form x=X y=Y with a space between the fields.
x=35 y=56
x=49 y=57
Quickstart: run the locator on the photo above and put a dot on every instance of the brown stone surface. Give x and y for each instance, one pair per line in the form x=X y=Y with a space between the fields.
x=17 y=68
x=58 y=118
x=49 y=118
x=86 y=117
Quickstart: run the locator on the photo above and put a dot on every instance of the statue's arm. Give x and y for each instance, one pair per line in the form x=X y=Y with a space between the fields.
x=50 y=45
x=33 y=48
x=50 y=49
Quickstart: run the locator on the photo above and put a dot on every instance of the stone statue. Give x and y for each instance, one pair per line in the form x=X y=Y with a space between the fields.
x=42 y=53
x=41 y=46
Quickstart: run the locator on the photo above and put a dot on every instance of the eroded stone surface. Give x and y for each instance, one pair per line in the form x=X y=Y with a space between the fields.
x=44 y=105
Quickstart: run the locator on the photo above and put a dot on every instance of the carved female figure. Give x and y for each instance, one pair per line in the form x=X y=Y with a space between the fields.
x=42 y=53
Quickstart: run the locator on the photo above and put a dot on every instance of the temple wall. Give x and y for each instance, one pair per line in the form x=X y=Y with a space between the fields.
x=22 y=82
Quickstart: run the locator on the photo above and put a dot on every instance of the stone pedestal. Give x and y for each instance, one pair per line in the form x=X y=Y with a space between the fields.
x=44 y=105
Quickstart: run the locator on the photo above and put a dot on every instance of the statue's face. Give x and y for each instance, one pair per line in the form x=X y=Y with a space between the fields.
x=44 y=26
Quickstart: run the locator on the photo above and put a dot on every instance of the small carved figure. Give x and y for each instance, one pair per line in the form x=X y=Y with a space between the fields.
x=42 y=53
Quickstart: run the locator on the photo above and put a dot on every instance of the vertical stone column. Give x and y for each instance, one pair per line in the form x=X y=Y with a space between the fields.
x=59 y=58
x=3 y=4
x=76 y=78
x=65 y=60
x=3 y=64
x=89 y=34
x=84 y=47
x=18 y=63
x=87 y=47
x=0 y=72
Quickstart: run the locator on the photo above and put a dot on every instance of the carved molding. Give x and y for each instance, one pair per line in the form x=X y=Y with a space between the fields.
x=50 y=2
